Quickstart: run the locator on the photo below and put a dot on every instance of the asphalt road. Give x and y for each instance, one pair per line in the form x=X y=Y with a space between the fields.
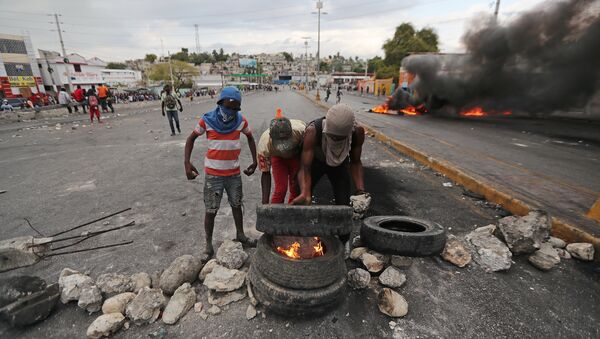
x=550 y=163
x=62 y=177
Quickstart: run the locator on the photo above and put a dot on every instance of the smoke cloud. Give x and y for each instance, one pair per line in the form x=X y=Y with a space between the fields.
x=546 y=59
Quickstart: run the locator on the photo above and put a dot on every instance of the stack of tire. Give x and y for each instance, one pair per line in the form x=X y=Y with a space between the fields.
x=295 y=287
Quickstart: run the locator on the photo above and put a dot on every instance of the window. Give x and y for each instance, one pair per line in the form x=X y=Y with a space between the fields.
x=15 y=69
x=77 y=68
x=12 y=46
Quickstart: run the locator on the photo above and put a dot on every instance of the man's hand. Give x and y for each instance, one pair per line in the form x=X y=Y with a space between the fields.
x=250 y=170
x=180 y=109
x=302 y=200
x=190 y=171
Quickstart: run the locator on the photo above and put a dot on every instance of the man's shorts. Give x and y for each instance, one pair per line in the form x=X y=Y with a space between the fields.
x=213 y=191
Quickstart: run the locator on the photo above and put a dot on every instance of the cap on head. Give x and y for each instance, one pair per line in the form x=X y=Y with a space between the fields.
x=230 y=93
x=280 y=131
x=339 y=120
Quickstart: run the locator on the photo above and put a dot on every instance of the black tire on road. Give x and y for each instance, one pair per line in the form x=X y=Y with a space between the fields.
x=403 y=235
x=304 y=221
x=303 y=273
x=292 y=302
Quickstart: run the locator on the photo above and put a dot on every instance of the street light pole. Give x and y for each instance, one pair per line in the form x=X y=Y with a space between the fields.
x=65 y=59
x=306 y=63
x=319 y=7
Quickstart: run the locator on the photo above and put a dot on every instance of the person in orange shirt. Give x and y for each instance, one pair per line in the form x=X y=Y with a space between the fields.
x=103 y=98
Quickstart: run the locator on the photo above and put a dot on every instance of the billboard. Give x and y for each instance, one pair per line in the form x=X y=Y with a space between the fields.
x=248 y=63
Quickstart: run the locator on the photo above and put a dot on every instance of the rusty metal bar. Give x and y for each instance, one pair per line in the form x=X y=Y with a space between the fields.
x=91 y=222
x=89 y=249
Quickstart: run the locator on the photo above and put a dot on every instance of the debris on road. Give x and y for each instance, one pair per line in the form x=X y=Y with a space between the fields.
x=489 y=252
x=360 y=205
x=183 y=269
x=180 y=303
x=208 y=267
x=22 y=251
x=118 y=303
x=391 y=277
x=140 y=280
x=392 y=303
x=525 y=234
x=557 y=242
x=231 y=254
x=371 y=263
x=113 y=283
x=400 y=261
x=105 y=325
x=71 y=284
x=447 y=184
x=456 y=252
x=358 y=278
x=582 y=251
x=545 y=258
x=32 y=308
x=250 y=312
x=146 y=306
x=223 y=279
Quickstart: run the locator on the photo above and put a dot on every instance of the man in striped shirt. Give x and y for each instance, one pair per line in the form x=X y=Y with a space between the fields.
x=223 y=127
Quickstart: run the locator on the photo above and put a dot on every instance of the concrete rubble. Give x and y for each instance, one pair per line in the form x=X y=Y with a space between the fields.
x=456 y=252
x=250 y=312
x=183 y=269
x=372 y=263
x=525 y=234
x=231 y=254
x=400 y=261
x=557 y=242
x=14 y=288
x=146 y=306
x=581 y=250
x=357 y=252
x=118 y=303
x=488 y=251
x=140 y=280
x=208 y=267
x=360 y=205
x=391 y=277
x=90 y=298
x=32 y=308
x=180 y=303
x=392 y=303
x=222 y=279
x=105 y=325
x=545 y=258
x=22 y=252
x=71 y=284
x=358 y=278
x=114 y=283
x=214 y=310
x=225 y=298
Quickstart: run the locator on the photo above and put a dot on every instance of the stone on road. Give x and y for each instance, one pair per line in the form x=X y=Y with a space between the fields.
x=456 y=252
x=489 y=252
x=139 y=280
x=525 y=234
x=222 y=279
x=391 y=277
x=545 y=258
x=371 y=262
x=183 y=269
x=358 y=278
x=392 y=303
x=90 y=298
x=231 y=254
x=118 y=303
x=581 y=250
x=114 y=283
x=180 y=303
x=105 y=325
x=146 y=306
x=208 y=267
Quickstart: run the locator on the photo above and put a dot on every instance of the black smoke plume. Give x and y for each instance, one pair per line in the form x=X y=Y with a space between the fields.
x=546 y=59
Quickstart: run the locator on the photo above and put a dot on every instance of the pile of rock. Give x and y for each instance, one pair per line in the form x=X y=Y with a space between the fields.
x=492 y=247
x=389 y=276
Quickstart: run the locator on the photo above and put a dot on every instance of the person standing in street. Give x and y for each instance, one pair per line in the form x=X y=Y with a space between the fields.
x=327 y=94
x=102 y=97
x=170 y=103
x=79 y=97
x=338 y=95
x=64 y=99
x=279 y=152
x=223 y=127
x=93 y=104
x=6 y=107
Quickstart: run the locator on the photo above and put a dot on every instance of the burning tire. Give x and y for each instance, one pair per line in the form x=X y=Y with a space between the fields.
x=311 y=273
x=403 y=235
x=287 y=301
x=304 y=221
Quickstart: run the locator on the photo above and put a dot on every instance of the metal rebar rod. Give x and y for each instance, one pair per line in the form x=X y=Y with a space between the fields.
x=91 y=222
x=89 y=249
x=90 y=234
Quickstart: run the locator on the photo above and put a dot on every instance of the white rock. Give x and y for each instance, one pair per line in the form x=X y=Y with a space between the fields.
x=140 y=280
x=231 y=254
x=146 y=306
x=563 y=253
x=183 y=269
x=391 y=277
x=105 y=325
x=456 y=252
x=118 y=303
x=90 y=298
x=71 y=286
x=225 y=298
x=114 y=283
x=557 y=242
x=203 y=315
x=208 y=267
x=489 y=252
x=525 y=234
x=392 y=303
x=213 y=310
x=358 y=252
x=358 y=278
x=250 y=312
x=371 y=262
x=545 y=258
x=253 y=300
x=181 y=302
x=581 y=250
x=222 y=279
x=198 y=307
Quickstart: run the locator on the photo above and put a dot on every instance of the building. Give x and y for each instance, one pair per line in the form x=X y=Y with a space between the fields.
x=19 y=74
x=56 y=70
x=121 y=77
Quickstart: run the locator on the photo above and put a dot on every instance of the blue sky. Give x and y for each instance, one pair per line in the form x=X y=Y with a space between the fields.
x=119 y=30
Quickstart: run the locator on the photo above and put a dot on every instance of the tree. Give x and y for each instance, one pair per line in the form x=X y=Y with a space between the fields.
x=407 y=40
x=288 y=57
x=116 y=65
x=324 y=67
x=181 y=56
x=182 y=73
x=151 y=58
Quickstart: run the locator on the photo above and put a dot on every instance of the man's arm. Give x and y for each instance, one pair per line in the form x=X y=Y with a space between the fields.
x=252 y=145
x=356 y=167
x=190 y=171
x=306 y=160
x=265 y=184
x=162 y=106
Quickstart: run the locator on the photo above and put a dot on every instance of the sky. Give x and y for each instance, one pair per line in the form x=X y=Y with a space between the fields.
x=116 y=30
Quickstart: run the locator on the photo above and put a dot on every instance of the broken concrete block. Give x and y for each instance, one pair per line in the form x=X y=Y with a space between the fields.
x=114 y=283
x=231 y=254
x=105 y=325
x=581 y=250
x=146 y=306
x=183 y=269
x=180 y=303
x=222 y=279
x=456 y=252
x=13 y=288
x=392 y=303
x=525 y=234
x=118 y=303
x=32 y=308
x=488 y=251
x=22 y=252
x=358 y=278
x=545 y=258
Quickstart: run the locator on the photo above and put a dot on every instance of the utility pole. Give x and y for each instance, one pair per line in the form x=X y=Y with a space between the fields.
x=171 y=71
x=65 y=60
x=319 y=7
x=197 y=39
x=496 y=10
x=306 y=62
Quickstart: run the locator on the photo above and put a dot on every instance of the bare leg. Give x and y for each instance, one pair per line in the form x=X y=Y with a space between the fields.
x=209 y=225
x=238 y=218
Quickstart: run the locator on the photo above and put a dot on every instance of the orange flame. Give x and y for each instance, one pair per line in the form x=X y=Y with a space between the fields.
x=279 y=113
x=291 y=252
x=382 y=109
x=479 y=112
x=310 y=248
x=318 y=247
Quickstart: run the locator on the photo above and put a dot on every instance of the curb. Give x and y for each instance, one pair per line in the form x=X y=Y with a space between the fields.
x=560 y=228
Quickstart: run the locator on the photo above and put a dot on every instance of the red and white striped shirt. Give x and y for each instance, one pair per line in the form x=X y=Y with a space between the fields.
x=222 y=158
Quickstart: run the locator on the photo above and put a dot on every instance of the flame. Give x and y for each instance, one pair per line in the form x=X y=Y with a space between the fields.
x=304 y=248
x=279 y=113
x=382 y=109
x=412 y=110
x=479 y=112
